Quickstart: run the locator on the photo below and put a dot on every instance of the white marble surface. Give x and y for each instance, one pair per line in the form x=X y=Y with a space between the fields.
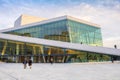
x=66 y=45
x=77 y=71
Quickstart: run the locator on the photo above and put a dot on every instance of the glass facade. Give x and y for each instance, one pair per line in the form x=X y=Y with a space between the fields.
x=54 y=31
x=63 y=30
x=85 y=34
x=14 y=51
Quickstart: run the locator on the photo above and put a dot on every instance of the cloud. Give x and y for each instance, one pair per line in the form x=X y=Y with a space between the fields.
x=110 y=42
x=109 y=19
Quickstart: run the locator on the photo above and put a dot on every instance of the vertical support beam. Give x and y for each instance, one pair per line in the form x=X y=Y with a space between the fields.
x=4 y=48
x=111 y=57
x=25 y=49
x=39 y=55
x=49 y=55
x=22 y=49
x=34 y=53
x=34 y=50
x=88 y=38
x=101 y=57
x=17 y=49
x=42 y=51
x=67 y=57
x=87 y=57
x=94 y=39
x=63 y=60
x=17 y=52
x=49 y=51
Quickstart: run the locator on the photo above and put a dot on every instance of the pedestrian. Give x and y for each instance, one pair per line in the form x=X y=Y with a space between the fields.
x=25 y=63
x=81 y=42
x=51 y=60
x=112 y=60
x=30 y=63
x=115 y=46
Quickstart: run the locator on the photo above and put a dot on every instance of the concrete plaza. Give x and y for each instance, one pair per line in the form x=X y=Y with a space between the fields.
x=60 y=71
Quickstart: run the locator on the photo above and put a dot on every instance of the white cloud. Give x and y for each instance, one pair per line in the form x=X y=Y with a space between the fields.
x=110 y=42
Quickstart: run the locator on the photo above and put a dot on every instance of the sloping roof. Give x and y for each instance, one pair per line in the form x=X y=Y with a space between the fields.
x=51 y=20
x=81 y=47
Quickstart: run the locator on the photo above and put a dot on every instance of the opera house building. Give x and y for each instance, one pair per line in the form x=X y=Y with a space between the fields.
x=64 y=39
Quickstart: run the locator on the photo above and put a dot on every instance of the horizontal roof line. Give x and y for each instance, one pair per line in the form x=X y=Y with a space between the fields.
x=51 y=20
x=83 y=21
x=67 y=45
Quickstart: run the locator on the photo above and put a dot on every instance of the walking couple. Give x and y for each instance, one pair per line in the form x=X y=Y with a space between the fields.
x=29 y=63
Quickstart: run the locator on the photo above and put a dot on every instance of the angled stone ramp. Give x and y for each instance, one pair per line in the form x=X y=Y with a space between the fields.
x=67 y=45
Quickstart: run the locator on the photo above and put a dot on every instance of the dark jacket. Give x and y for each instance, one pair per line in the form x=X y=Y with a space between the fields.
x=25 y=62
x=30 y=62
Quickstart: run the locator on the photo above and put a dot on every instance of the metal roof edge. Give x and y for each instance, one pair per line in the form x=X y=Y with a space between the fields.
x=83 y=21
x=51 y=20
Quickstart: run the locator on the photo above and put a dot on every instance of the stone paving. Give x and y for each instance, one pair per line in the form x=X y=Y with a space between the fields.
x=68 y=71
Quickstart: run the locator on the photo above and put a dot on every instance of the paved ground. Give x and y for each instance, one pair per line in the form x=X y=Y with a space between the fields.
x=77 y=71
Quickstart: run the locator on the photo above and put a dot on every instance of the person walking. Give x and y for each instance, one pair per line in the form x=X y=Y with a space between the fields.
x=30 y=63
x=51 y=60
x=115 y=46
x=25 y=63
x=112 y=60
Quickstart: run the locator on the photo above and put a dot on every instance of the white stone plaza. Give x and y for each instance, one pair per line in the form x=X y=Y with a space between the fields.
x=60 y=71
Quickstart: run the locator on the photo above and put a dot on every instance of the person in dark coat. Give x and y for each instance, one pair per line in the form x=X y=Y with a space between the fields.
x=115 y=46
x=51 y=60
x=112 y=59
x=25 y=63
x=30 y=63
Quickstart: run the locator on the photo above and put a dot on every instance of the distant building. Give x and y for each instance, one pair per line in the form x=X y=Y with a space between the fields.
x=64 y=39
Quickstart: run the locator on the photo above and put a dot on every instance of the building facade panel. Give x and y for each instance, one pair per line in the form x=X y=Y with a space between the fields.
x=84 y=34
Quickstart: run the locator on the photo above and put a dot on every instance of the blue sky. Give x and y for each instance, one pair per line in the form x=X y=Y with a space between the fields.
x=103 y=12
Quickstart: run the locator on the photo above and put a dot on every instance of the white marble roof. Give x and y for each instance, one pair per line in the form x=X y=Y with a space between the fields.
x=67 y=45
